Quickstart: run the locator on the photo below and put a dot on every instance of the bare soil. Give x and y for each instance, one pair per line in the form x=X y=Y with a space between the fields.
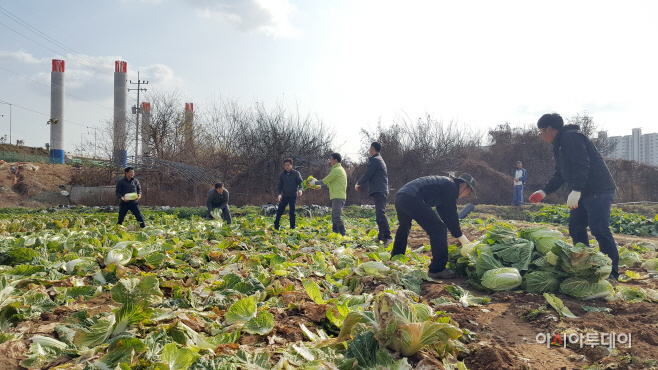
x=35 y=184
x=506 y=341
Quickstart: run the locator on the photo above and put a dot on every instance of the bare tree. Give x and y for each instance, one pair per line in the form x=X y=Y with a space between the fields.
x=415 y=148
x=589 y=129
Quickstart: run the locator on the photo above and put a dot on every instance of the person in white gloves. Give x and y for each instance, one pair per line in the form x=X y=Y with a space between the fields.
x=414 y=201
x=290 y=187
x=579 y=164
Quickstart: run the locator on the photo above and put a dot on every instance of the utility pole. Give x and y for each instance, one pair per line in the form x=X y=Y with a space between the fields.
x=2 y=102
x=137 y=110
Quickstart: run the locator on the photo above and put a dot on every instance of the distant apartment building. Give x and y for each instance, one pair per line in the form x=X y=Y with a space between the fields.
x=636 y=147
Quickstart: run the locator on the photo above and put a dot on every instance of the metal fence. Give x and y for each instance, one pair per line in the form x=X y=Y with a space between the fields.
x=23 y=157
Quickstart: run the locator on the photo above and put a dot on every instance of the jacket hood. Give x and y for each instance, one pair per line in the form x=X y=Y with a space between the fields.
x=570 y=127
x=564 y=129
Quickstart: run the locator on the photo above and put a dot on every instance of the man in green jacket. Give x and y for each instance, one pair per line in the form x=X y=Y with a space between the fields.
x=336 y=182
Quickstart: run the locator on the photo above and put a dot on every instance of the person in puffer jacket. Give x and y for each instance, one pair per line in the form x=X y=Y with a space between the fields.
x=414 y=201
x=580 y=165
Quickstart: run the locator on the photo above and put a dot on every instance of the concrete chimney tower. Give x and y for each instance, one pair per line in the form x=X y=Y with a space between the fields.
x=120 y=98
x=188 y=125
x=57 y=112
x=146 y=122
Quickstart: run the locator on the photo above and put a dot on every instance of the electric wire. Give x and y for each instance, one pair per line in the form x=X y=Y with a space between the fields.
x=48 y=38
x=43 y=114
x=52 y=40
x=52 y=84
x=54 y=51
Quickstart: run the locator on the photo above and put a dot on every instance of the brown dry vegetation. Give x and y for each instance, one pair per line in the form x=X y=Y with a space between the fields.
x=35 y=187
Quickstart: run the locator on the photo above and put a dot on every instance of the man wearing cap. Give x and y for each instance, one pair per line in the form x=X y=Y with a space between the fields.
x=414 y=201
x=520 y=175
x=579 y=164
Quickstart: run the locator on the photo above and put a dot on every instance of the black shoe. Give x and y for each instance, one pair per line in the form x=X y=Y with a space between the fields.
x=445 y=274
x=612 y=280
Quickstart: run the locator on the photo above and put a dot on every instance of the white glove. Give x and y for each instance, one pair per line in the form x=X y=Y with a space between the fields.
x=572 y=200
x=279 y=198
x=299 y=193
x=311 y=183
x=463 y=240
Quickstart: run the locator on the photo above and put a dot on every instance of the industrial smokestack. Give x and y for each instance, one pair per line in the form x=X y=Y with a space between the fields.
x=120 y=98
x=57 y=112
x=188 y=125
x=146 y=124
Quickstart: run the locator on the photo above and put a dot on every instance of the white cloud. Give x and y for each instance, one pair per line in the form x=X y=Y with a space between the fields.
x=270 y=17
x=161 y=75
x=20 y=56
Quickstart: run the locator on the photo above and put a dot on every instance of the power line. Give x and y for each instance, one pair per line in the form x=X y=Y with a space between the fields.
x=54 y=51
x=46 y=22
x=48 y=38
x=43 y=114
x=52 y=84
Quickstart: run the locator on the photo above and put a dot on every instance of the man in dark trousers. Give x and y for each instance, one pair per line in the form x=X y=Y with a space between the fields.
x=129 y=184
x=579 y=164
x=290 y=187
x=218 y=198
x=377 y=179
x=414 y=201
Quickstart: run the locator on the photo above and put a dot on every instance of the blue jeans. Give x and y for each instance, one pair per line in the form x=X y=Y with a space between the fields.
x=594 y=211
x=133 y=207
x=518 y=195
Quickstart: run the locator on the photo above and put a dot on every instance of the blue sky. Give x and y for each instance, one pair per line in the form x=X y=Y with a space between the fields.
x=351 y=63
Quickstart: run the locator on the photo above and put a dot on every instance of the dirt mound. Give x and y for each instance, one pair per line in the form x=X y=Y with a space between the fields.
x=27 y=186
x=492 y=187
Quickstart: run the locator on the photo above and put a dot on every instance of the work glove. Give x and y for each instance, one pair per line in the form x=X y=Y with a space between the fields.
x=463 y=240
x=356 y=187
x=537 y=196
x=572 y=200
x=299 y=193
x=123 y=198
x=311 y=183
x=279 y=198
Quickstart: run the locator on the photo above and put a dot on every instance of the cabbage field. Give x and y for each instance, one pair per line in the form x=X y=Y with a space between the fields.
x=79 y=292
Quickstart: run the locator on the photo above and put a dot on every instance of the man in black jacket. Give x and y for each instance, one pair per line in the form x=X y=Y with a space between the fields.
x=218 y=198
x=414 y=201
x=579 y=164
x=129 y=184
x=376 y=177
x=290 y=187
